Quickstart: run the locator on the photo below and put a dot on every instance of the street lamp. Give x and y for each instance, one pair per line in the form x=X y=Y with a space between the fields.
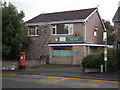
x=105 y=49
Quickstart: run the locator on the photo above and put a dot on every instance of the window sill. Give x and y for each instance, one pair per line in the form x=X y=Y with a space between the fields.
x=61 y=56
x=33 y=35
x=62 y=34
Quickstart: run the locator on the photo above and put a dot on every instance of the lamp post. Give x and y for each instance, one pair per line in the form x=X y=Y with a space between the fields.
x=105 y=49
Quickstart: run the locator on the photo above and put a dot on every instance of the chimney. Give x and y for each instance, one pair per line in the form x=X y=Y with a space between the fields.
x=119 y=4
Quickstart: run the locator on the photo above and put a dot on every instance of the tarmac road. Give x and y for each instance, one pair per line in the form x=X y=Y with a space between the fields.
x=45 y=81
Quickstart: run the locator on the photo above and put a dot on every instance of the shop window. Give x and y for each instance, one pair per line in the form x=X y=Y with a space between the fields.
x=33 y=31
x=62 y=51
x=62 y=29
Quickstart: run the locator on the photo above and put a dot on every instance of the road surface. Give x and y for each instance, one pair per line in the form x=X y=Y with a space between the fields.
x=44 y=81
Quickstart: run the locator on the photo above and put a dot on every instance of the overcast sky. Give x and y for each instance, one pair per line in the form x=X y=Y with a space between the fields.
x=32 y=8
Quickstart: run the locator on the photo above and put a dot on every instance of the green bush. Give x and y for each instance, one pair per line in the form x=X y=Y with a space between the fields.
x=92 y=61
x=112 y=64
x=95 y=60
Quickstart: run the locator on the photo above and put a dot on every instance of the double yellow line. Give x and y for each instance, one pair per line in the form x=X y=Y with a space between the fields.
x=91 y=80
x=8 y=74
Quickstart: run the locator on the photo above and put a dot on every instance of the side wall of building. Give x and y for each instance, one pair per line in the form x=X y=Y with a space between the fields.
x=92 y=23
x=38 y=49
x=117 y=30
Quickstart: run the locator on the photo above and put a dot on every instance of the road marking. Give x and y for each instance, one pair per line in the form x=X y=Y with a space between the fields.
x=95 y=80
x=8 y=74
x=86 y=84
x=52 y=80
x=89 y=85
x=91 y=80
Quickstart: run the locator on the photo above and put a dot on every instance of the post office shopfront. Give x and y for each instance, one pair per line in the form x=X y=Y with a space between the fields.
x=71 y=54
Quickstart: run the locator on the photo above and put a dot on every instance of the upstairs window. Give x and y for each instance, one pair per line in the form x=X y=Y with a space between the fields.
x=65 y=29
x=95 y=31
x=33 y=31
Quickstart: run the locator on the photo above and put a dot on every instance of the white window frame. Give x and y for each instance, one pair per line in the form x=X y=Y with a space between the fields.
x=69 y=26
x=35 y=30
x=95 y=31
x=55 y=26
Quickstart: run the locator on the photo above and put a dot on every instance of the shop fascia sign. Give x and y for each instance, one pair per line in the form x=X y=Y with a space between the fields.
x=70 y=38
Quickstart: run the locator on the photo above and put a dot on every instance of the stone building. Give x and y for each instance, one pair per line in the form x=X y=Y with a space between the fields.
x=116 y=20
x=65 y=37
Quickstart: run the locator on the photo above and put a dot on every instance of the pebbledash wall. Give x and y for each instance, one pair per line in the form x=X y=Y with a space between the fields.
x=38 y=49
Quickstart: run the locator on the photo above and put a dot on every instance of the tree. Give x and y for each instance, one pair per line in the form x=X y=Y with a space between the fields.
x=14 y=33
x=110 y=32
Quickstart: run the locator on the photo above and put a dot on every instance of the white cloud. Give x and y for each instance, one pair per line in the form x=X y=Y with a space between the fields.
x=32 y=8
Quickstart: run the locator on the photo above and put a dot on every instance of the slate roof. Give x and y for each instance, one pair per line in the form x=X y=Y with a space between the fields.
x=117 y=15
x=60 y=16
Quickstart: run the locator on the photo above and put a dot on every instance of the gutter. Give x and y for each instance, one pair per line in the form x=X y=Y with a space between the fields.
x=55 y=22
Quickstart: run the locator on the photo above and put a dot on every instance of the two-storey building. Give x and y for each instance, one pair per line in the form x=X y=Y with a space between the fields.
x=116 y=20
x=65 y=37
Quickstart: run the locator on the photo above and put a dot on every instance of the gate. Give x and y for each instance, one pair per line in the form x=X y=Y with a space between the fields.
x=118 y=55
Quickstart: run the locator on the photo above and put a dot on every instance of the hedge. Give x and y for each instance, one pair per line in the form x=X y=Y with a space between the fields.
x=95 y=60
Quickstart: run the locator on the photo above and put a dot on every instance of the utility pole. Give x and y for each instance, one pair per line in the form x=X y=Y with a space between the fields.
x=105 y=49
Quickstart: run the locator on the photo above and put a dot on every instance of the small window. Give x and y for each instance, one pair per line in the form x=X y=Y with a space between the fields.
x=33 y=31
x=95 y=31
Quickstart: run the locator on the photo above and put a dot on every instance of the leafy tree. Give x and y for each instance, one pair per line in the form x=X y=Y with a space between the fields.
x=110 y=32
x=14 y=33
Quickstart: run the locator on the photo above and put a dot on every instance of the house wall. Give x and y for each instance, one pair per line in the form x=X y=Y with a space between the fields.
x=38 y=49
x=79 y=27
x=61 y=60
x=78 y=53
x=94 y=21
x=117 y=30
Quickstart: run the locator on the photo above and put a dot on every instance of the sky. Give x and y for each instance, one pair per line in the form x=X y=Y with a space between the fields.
x=32 y=8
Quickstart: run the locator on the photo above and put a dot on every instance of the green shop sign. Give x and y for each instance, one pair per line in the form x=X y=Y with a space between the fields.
x=74 y=38
x=70 y=38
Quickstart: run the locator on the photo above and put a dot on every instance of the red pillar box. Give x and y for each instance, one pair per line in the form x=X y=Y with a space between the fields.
x=22 y=60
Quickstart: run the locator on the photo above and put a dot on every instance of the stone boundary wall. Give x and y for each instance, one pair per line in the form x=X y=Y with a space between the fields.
x=12 y=65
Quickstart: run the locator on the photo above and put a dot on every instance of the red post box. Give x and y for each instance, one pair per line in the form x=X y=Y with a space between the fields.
x=22 y=60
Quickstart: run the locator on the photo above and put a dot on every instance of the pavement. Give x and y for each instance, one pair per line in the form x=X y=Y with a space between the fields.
x=66 y=71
